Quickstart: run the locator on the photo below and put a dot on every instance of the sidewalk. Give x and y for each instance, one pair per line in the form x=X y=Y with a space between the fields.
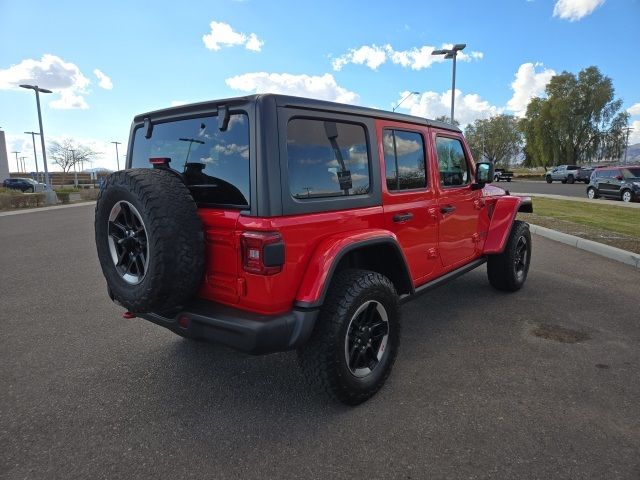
x=42 y=209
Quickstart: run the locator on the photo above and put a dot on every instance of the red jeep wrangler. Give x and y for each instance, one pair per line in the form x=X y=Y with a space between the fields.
x=269 y=223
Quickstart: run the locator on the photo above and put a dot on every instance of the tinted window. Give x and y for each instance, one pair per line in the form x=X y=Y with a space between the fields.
x=573 y=167
x=452 y=163
x=631 y=172
x=215 y=164
x=326 y=158
x=404 y=159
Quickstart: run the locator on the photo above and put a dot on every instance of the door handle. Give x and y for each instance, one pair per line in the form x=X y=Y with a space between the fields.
x=446 y=209
x=402 y=217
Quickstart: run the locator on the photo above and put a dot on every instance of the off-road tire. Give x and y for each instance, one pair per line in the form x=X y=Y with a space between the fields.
x=323 y=358
x=174 y=235
x=570 y=179
x=508 y=270
x=549 y=179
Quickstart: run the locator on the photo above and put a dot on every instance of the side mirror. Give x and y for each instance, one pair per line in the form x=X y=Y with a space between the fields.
x=619 y=177
x=484 y=173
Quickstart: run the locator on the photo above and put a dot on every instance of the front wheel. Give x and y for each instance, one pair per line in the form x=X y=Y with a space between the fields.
x=508 y=270
x=571 y=179
x=549 y=179
x=356 y=338
x=627 y=196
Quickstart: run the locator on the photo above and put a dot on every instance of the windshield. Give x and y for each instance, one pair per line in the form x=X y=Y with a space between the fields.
x=631 y=172
x=213 y=163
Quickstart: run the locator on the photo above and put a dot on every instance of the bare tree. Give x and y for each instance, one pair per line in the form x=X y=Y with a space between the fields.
x=67 y=154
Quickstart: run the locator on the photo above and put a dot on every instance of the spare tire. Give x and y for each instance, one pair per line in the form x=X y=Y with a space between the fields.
x=149 y=239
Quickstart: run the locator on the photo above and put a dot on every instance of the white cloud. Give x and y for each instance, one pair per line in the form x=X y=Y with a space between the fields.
x=574 y=10
x=416 y=58
x=104 y=81
x=222 y=35
x=322 y=87
x=177 y=103
x=50 y=72
x=634 y=109
x=468 y=107
x=528 y=84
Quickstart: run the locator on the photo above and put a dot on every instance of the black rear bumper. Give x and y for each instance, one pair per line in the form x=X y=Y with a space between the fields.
x=246 y=331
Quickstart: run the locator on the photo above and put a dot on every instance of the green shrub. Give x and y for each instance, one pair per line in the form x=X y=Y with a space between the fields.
x=15 y=199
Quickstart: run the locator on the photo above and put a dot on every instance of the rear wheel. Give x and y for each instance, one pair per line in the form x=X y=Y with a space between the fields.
x=570 y=179
x=591 y=193
x=508 y=270
x=356 y=337
x=627 y=196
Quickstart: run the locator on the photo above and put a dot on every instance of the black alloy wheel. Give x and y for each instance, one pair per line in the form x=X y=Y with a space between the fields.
x=366 y=339
x=128 y=242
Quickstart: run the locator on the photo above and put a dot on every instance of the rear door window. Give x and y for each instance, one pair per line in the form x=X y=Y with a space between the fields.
x=214 y=163
x=404 y=160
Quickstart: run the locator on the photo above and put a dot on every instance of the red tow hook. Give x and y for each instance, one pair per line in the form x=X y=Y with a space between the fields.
x=128 y=315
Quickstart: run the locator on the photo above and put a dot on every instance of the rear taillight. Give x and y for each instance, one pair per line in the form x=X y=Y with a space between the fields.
x=262 y=252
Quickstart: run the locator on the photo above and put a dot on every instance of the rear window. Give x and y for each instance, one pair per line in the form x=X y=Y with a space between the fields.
x=631 y=172
x=327 y=159
x=214 y=164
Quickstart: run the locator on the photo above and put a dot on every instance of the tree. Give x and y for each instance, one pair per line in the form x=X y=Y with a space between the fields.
x=496 y=139
x=578 y=121
x=67 y=154
x=445 y=119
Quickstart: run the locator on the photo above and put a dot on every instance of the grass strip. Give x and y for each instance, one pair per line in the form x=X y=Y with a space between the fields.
x=606 y=217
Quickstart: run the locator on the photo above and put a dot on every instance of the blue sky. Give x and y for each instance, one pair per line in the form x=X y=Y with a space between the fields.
x=108 y=61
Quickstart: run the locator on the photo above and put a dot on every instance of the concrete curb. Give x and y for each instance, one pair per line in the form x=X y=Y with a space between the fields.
x=601 y=249
x=43 y=209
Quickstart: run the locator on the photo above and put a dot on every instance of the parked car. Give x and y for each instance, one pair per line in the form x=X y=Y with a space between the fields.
x=273 y=223
x=502 y=174
x=563 y=173
x=622 y=183
x=24 y=185
x=584 y=174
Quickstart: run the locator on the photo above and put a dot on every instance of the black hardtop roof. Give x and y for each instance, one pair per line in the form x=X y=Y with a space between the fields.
x=298 y=102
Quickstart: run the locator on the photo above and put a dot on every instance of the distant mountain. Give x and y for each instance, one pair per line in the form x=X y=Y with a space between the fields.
x=633 y=153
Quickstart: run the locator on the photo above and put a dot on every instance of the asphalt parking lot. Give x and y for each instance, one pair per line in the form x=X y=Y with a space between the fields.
x=474 y=393
x=556 y=188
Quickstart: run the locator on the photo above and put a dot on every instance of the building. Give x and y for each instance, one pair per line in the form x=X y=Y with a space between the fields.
x=4 y=158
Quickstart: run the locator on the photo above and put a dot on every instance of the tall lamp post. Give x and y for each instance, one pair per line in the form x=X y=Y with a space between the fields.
x=35 y=155
x=400 y=102
x=117 y=157
x=451 y=53
x=17 y=161
x=39 y=90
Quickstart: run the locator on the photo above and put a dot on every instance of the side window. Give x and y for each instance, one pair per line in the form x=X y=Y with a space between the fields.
x=404 y=160
x=326 y=159
x=454 y=170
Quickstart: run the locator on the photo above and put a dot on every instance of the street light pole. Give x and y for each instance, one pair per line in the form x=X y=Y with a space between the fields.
x=400 y=102
x=117 y=157
x=451 y=53
x=35 y=155
x=17 y=164
x=37 y=89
